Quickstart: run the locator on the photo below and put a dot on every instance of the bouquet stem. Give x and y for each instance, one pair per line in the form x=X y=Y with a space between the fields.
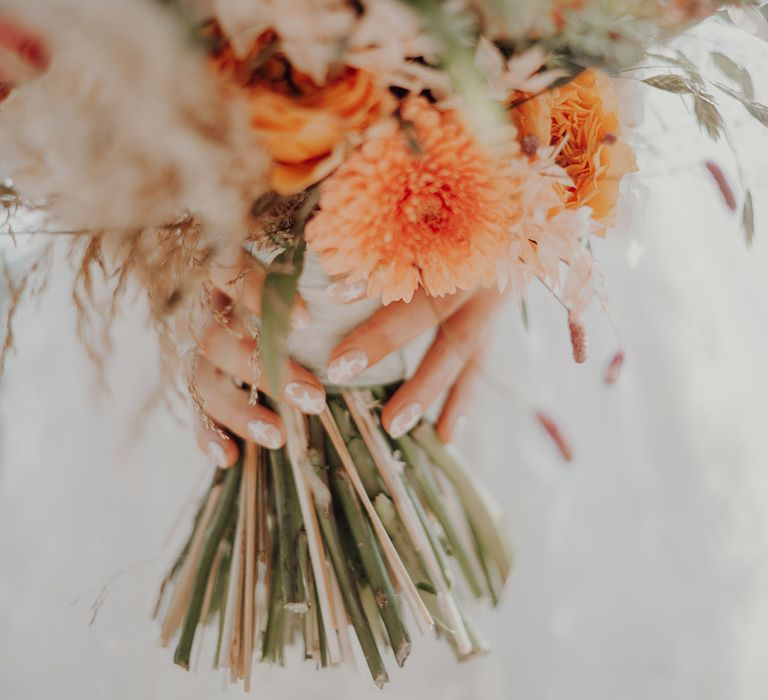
x=342 y=530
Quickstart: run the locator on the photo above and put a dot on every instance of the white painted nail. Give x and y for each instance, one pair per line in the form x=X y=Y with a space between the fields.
x=405 y=420
x=348 y=365
x=307 y=398
x=265 y=434
x=347 y=292
x=217 y=454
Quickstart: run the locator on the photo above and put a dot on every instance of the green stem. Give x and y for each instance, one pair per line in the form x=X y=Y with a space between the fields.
x=286 y=504
x=224 y=512
x=347 y=584
x=374 y=566
x=272 y=642
x=482 y=511
x=429 y=490
x=366 y=467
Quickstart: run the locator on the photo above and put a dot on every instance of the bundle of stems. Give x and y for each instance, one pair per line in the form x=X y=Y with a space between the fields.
x=343 y=543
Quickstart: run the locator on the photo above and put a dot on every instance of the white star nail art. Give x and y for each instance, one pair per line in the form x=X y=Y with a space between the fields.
x=307 y=399
x=405 y=420
x=343 y=368
x=265 y=434
x=217 y=454
x=344 y=293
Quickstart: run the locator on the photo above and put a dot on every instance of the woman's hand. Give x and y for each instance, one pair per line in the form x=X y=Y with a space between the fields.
x=229 y=353
x=453 y=362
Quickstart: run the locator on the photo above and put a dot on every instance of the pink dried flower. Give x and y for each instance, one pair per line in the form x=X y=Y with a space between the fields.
x=578 y=339
x=722 y=182
x=613 y=369
x=554 y=432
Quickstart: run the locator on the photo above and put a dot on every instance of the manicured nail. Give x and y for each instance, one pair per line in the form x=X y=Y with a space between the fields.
x=347 y=292
x=217 y=454
x=265 y=434
x=405 y=419
x=307 y=398
x=346 y=366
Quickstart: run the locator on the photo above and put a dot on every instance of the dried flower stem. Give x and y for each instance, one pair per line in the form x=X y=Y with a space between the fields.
x=373 y=564
x=249 y=487
x=390 y=474
x=223 y=514
x=297 y=454
x=429 y=490
x=346 y=581
x=483 y=513
x=420 y=612
x=189 y=571
x=289 y=525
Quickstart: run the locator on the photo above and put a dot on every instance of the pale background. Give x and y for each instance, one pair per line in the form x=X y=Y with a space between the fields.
x=642 y=567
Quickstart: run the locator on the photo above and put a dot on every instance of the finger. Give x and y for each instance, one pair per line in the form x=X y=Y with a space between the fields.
x=456 y=342
x=387 y=330
x=241 y=278
x=454 y=411
x=236 y=353
x=222 y=451
x=228 y=406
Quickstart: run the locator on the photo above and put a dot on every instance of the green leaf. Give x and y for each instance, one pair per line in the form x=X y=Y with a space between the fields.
x=748 y=219
x=279 y=296
x=708 y=116
x=670 y=83
x=735 y=72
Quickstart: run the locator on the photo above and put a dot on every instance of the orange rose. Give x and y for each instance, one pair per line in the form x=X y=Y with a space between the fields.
x=305 y=133
x=585 y=126
x=305 y=127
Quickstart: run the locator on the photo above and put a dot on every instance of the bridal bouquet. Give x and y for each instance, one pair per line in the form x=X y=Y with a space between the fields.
x=387 y=148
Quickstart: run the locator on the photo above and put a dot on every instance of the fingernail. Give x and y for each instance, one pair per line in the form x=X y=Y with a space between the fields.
x=300 y=318
x=307 y=398
x=265 y=434
x=405 y=419
x=217 y=454
x=346 y=366
x=347 y=292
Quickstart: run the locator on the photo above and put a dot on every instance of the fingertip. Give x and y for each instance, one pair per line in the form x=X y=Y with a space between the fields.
x=223 y=455
x=267 y=433
x=449 y=429
x=306 y=396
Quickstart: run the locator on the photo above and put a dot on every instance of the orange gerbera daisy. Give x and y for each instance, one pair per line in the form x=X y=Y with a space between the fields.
x=420 y=205
x=585 y=126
